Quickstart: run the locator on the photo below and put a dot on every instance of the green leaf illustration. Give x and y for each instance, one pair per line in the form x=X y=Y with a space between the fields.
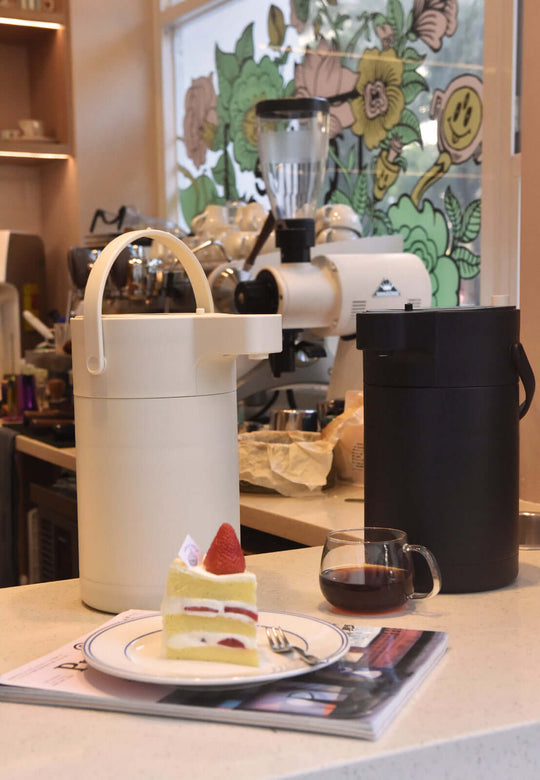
x=382 y=226
x=412 y=59
x=227 y=72
x=290 y=89
x=402 y=162
x=408 y=128
x=339 y=197
x=377 y=20
x=244 y=46
x=227 y=67
x=341 y=21
x=453 y=209
x=223 y=113
x=352 y=158
x=302 y=9
x=394 y=13
x=283 y=57
x=412 y=84
x=360 y=195
x=197 y=196
x=471 y=221
x=467 y=262
x=410 y=18
x=223 y=165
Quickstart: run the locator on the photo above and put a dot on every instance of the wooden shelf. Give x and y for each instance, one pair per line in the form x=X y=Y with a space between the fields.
x=38 y=181
x=10 y=150
x=17 y=15
x=16 y=35
x=35 y=73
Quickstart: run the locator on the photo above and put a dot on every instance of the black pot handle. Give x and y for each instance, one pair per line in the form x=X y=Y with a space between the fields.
x=526 y=375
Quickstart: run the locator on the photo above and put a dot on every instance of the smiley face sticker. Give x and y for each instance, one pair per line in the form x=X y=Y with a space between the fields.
x=460 y=113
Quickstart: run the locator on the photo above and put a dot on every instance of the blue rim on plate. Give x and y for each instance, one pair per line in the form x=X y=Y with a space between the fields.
x=131 y=649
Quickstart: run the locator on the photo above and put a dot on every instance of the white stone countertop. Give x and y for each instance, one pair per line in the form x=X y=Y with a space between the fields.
x=476 y=716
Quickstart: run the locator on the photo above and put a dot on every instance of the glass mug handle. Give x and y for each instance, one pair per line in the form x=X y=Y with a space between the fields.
x=433 y=568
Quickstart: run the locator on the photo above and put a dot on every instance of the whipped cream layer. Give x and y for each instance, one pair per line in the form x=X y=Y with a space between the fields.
x=244 y=611
x=179 y=566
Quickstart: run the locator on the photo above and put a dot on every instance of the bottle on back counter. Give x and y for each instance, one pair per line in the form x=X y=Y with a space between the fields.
x=346 y=432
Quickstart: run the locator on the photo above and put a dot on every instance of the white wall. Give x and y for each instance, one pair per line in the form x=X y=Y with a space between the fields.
x=113 y=93
x=530 y=264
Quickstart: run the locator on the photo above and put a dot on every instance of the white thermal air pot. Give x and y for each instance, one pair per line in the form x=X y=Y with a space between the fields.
x=156 y=430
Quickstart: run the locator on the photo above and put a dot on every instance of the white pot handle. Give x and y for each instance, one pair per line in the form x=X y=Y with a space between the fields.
x=93 y=296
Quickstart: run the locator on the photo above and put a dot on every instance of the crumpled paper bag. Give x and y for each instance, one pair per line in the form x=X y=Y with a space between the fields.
x=293 y=463
x=346 y=434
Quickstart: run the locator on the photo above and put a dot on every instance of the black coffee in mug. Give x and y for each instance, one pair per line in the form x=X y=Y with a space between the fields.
x=368 y=588
x=371 y=570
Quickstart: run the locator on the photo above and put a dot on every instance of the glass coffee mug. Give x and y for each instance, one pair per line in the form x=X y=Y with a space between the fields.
x=371 y=570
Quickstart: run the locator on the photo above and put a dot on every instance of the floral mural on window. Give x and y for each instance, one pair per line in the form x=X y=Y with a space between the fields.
x=405 y=120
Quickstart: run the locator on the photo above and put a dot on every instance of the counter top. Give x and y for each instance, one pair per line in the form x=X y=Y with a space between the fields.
x=302 y=520
x=476 y=716
x=58 y=456
x=306 y=520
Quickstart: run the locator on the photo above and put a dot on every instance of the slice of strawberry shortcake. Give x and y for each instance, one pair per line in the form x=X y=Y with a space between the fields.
x=210 y=610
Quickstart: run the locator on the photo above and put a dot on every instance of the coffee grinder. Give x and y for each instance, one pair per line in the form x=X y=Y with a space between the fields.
x=323 y=292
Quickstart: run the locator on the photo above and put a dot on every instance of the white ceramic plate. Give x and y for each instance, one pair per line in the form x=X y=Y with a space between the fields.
x=132 y=650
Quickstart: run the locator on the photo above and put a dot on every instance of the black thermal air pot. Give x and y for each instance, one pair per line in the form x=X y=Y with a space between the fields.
x=441 y=404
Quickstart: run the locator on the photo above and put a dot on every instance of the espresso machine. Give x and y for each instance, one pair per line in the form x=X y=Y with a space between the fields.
x=145 y=279
x=320 y=291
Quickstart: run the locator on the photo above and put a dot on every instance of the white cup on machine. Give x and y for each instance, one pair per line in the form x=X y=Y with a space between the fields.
x=337 y=216
x=239 y=243
x=328 y=235
x=250 y=216
x=211 y=221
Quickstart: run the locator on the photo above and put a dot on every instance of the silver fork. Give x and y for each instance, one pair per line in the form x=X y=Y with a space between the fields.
x=279 y=643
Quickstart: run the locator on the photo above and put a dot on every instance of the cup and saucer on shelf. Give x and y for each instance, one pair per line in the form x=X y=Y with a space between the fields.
x=28 y=130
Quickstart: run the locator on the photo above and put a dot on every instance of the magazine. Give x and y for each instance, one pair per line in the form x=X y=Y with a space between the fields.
x=357 y=696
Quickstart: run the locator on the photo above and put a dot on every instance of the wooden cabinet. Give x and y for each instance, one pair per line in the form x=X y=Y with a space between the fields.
x=36 y=83
x=92 y=81
x=38 y=176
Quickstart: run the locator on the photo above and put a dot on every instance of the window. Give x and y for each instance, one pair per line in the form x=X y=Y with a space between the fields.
x=407 y=85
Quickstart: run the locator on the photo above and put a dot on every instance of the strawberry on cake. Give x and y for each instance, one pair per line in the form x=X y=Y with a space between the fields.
x=210 y=610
